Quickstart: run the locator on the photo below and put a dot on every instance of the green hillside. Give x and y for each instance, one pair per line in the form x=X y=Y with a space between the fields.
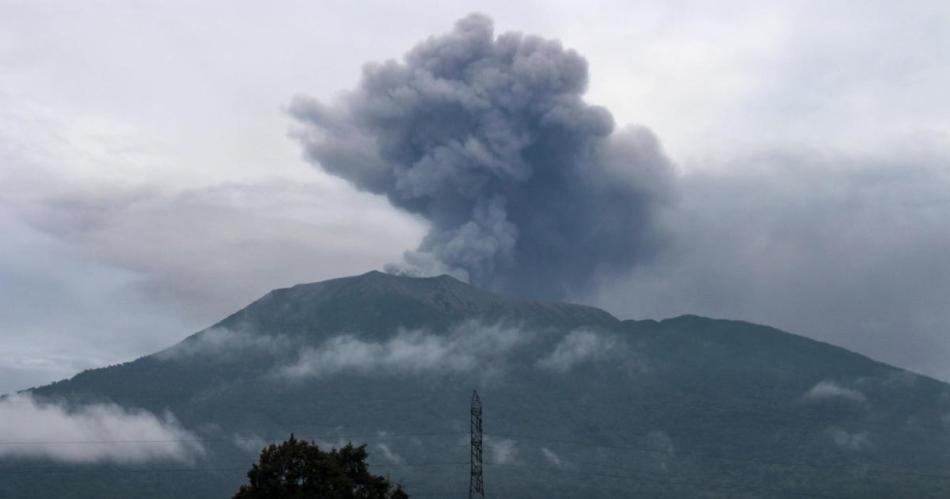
x=577 y=403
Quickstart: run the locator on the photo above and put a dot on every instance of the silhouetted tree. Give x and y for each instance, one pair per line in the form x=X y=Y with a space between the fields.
x=298 y=469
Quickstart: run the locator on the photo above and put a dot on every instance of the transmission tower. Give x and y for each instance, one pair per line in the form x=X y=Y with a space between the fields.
x=476 y=488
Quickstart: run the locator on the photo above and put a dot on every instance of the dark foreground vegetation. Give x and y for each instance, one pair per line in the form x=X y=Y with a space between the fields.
x=297 y=469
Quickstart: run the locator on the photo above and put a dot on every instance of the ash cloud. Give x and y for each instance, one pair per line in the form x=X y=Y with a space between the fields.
x=526 y=188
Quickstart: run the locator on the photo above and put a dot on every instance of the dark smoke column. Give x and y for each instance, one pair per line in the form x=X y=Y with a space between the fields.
x=527 y=188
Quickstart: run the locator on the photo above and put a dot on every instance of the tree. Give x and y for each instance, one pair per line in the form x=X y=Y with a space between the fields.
x=298 y=469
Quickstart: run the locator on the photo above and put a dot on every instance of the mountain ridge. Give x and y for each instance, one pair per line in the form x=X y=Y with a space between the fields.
x=381 y=355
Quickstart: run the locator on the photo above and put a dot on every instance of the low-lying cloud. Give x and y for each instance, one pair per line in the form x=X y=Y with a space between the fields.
x=389 y=454
x=551 y=457
x=855 y=441
x=91 y=433
x=463 y=348
x=826 y=390
x=579 y=347
x=501 y=450
x=250 y=443
x=223 y=344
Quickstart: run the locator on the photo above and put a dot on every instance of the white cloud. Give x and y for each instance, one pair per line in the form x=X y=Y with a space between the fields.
x=249 y=442
x=502 y=451
x=551 y=457
x=91 y=433
x=465 y=347
x=389 y=454
x=224 y=344
x=830 y=390
x=578 y=347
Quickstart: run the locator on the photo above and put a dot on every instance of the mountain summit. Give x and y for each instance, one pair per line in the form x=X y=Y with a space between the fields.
x=577 y=403
x=376 y=302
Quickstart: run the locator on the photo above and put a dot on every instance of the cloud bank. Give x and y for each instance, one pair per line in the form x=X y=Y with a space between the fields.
x=845 y=248
x=224 y=344
x=463 y=348
x=90 y=434
x=526 y=187
x=133 y=264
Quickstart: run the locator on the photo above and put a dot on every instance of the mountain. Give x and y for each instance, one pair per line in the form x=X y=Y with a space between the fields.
x=577 y=403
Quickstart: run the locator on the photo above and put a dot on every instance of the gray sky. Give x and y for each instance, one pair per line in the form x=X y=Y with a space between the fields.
x=148 y=186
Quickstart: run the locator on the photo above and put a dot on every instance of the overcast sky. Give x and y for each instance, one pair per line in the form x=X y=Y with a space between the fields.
x=149 y=185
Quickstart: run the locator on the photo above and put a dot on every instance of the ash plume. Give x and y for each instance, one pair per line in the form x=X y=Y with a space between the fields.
x=526 y=188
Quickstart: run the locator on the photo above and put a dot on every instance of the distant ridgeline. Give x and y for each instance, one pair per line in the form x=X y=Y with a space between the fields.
x=576 y=403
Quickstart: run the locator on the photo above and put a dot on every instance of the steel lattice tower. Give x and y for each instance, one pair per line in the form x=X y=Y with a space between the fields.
x=476 y=488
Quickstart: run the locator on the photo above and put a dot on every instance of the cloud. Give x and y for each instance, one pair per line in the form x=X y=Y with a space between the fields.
x=551 y=457
x=578 y=347
x=63 y=312
x=662 y=447
x=851 y=441
x=250 y=443
x=825 y=390
x=224 y=344
x=526 y=187
x=199 y=239
x=843 y=248
x=389 y=454
x=842 y=242
x=134 y=261
x=501 y=451
x=465 y=347
x=91 y=433
x=326 y=443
